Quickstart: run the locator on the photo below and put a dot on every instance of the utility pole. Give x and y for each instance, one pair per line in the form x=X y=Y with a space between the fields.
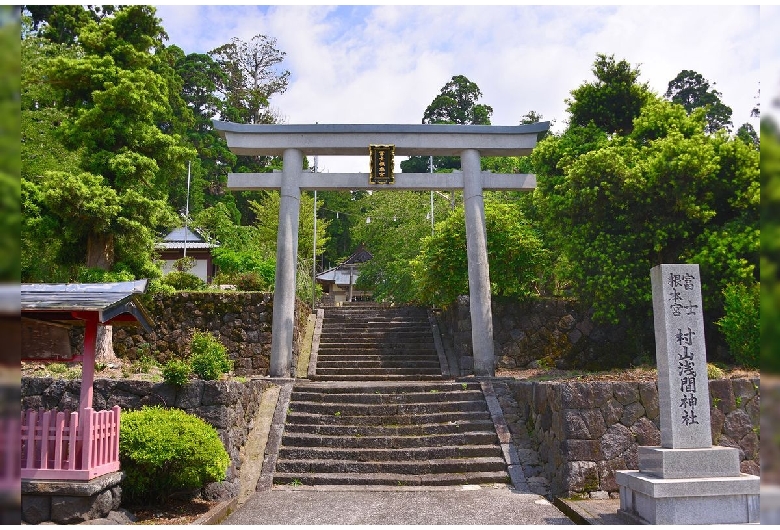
x=187 y=207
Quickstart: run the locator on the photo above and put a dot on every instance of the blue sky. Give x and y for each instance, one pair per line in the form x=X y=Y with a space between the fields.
x=386 y=63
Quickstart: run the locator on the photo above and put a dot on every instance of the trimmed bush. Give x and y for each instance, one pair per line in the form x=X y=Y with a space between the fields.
x=741 y=325
x=163 y=451
x=209 y=357
x=177 y=372
x=183 y=281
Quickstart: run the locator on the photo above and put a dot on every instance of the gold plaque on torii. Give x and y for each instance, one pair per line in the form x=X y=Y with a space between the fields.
x=381 y=164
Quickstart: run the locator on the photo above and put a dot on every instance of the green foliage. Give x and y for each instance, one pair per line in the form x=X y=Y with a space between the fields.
x=455 y=104
x=516 y=257
x=236 y=261
x=394 y=236
x=253 y=281
x=163 y=451
x=92 y=275
x=692 y=91
x=770 y=247
x=177 y=372
x=183 y=281
x=714 y=372
x=611 y=102
x=665 y=193
x=184 y=264
x=208 y=357
x=741 y=323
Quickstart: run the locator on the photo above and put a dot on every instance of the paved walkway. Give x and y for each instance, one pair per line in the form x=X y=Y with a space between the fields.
x=493 y=505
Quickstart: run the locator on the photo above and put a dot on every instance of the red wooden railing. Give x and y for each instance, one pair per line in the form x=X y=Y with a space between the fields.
x=59 y=445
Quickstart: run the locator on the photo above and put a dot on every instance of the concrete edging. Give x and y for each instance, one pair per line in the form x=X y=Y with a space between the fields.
x=218 y=513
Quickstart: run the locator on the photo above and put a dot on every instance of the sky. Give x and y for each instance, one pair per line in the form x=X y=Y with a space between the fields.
x=386 y=63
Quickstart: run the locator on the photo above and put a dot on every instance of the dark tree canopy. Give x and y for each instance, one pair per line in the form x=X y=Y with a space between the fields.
x=613 y=101
x=692 y=91
x=455 y=104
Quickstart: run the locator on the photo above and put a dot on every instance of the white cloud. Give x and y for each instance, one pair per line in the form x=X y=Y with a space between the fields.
x=385 y=64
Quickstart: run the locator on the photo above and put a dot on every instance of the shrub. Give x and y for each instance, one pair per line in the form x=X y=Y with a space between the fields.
x=251 y=281
x=715 y=372
x=183 y=281
x=741 y=325
x=209 y=357
x=176 y=372
x=163 y=451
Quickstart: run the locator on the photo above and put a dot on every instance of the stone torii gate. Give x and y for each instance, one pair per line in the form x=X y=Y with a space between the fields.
x=293 y=142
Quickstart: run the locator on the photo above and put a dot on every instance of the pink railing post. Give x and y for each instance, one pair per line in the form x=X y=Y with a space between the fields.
x=86 y=437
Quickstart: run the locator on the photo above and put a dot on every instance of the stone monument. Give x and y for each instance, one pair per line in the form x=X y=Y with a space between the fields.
x=686 y=480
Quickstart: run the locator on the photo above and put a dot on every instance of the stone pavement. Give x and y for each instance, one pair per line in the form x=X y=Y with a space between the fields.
x=467 y=505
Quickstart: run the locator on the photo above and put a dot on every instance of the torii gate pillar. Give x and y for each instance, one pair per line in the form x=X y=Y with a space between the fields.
x=479 y=274
x=283 y=325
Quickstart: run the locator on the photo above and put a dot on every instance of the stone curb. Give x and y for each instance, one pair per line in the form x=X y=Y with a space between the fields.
x=275 y=438
x=218 y=513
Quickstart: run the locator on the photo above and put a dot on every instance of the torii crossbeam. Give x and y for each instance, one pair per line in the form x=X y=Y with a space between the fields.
x=293 y=142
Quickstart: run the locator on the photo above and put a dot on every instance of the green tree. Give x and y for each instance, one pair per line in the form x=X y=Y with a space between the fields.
x=10 y=190
x=516 y=257
x=692 y=91
x=611 y=102
x=251 y=78
x=665 y=193
x=393 y=228
x=455 y=104
x=770 y=246
x=121 y=121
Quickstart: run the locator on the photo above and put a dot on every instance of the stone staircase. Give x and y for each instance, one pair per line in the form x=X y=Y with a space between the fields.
x=378 y=411
x=369 y=342
x=389 y=434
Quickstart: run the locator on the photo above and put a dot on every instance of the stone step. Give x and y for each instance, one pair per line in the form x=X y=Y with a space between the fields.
x=411 y=467
x=390 y=479
x=387 y=388
x=322 y=372
x=387 y=362
x=375 y=335
x=355 y=356
x=386 y=409
x=378 y=378
x=367 y=347
x=431 y=396
x=305 y=439
x=384 y=455
x=358 y=431
x=293 y=417
x=378 y=344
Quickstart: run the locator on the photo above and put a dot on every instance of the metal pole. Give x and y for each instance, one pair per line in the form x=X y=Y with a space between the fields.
x=187 y=208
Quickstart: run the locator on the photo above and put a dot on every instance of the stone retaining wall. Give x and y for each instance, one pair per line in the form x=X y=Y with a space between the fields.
x=554 y=331
x=240 y=320
x=573 y=436
x=229 y=406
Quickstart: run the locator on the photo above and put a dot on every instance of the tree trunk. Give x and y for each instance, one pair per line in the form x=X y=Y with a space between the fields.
x=100 y=251
x=104 y=346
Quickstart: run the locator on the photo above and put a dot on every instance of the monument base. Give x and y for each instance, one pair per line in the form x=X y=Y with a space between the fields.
x=715 y=500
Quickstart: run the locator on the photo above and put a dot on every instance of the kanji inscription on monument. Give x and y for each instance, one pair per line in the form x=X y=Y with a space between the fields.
x=683 y=391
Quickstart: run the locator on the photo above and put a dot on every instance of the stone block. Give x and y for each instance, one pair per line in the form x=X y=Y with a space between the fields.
x=616 y=441
x=632 y=413
x=612 y=411
x=724 y=500
x=689 y=463
x=646 y=433
x=36 y=509
x=737 y=425
x=585 y=450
